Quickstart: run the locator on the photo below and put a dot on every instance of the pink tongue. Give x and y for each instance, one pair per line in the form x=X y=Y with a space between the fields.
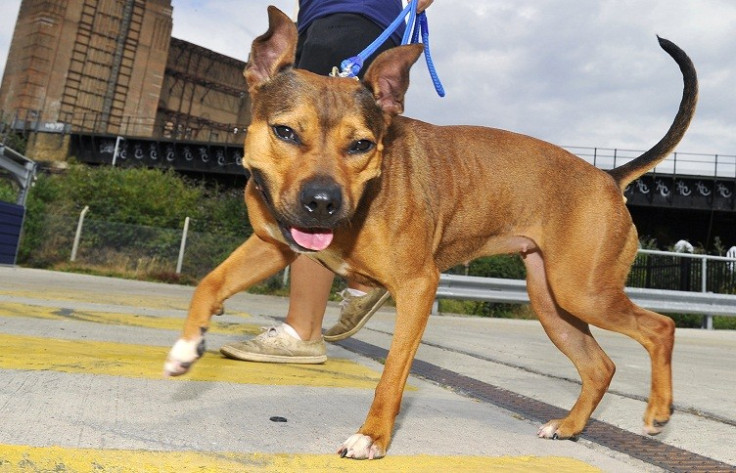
x=317 y=241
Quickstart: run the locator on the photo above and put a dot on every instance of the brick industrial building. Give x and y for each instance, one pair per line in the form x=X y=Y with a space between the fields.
x=112 y=67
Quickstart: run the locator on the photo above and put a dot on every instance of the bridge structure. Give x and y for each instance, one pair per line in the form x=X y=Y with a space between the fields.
x=180 y=155
x=683 y=181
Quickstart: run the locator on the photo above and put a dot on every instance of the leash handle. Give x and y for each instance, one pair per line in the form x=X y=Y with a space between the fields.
x=416 y=25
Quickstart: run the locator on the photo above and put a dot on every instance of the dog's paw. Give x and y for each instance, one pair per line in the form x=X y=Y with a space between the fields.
x=183 y=355
x=554 y=430
x=360 y=447
x=654 y=422
x=547 y=431
x=655 y=428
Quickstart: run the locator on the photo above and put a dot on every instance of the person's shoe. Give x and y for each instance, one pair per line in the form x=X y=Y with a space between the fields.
x=274 y=345
x=356 y=310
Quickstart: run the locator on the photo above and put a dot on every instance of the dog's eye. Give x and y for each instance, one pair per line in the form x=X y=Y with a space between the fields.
x=285 y=133
x=361 y=146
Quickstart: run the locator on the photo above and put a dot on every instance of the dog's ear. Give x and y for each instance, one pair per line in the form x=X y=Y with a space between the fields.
x=388 y=76
x=273 y=51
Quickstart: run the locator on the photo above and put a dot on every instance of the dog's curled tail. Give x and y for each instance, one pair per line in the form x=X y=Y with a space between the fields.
x=635 y=168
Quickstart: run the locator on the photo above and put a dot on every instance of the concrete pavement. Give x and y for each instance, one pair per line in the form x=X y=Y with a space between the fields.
x=81 y=390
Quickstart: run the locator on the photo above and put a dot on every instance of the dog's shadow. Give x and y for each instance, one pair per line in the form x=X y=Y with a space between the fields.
x=191 y=391
x=406 y=407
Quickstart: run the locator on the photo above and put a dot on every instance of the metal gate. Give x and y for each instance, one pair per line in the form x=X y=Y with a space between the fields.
x=11 y=223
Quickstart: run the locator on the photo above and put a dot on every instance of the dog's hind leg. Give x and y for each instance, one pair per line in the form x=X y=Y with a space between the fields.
x=252 y=262
x=656 y=333
x=572 y=336
x=613 y=310
x=604 y=304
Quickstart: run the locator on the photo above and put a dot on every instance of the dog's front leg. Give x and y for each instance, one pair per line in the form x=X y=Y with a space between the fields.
x=252 y=262
x=413 y=305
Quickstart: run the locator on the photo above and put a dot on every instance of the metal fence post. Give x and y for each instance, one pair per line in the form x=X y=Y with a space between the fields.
x=78 y=235
x=707 y=319
x=116 y=150
x=183 y=245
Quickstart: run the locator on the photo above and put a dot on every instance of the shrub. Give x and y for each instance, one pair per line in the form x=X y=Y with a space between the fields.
x=500 y=266
x=8 y=193
x=134 y=210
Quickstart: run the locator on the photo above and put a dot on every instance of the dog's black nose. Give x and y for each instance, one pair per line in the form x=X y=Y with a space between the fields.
x=321 y=198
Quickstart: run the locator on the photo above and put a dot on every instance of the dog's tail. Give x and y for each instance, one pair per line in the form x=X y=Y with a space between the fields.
x=635 y=168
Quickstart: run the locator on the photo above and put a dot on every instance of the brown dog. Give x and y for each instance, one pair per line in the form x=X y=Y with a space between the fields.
x=391 y=201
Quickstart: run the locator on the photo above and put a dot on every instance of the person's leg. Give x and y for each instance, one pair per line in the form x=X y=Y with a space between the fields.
x=308 y=294
x=325 y=44
x=299 y=338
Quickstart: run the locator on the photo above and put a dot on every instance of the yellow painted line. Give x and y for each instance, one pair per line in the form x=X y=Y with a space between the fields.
x=153 y=301
x=13 y=309
x=34 y=459
x=144 y=361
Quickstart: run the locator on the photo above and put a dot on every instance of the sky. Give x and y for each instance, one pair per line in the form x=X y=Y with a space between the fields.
x=577 y=73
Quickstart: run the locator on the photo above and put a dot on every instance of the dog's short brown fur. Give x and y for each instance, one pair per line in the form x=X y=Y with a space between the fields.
x=404 y=200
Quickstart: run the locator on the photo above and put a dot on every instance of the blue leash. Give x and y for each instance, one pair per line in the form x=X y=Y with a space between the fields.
x=416 y=25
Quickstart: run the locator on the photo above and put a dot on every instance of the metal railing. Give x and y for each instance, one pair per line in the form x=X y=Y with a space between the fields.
x=664 y=280
x=169 y=126
x=22 y=169
x=513 y=291
x=678 y=164
x=683 y=271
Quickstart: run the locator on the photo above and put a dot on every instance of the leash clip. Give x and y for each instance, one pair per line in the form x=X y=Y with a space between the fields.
x=416 y=26
x=348 y=68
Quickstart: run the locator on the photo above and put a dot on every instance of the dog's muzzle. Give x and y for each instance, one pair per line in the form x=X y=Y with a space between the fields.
x=321 y=200
x=318 y=208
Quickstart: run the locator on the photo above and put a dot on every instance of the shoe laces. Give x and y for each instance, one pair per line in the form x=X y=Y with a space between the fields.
x=269 y=332
x=346 y=297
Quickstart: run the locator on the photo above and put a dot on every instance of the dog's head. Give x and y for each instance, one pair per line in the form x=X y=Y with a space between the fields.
x=314 y=141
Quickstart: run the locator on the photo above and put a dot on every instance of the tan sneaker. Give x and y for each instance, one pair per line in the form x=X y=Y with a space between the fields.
x=356 y=310
x=274 y=345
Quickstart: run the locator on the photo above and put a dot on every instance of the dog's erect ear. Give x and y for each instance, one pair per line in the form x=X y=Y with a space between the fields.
x=388 y=76
x=273 y=51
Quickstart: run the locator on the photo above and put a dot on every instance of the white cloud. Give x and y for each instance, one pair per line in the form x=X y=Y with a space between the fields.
x=8 y=15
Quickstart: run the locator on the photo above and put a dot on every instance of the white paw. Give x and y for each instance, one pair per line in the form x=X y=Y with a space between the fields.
x=547 y=431
x=182 y=355
x=360 y=447
x=652 y=429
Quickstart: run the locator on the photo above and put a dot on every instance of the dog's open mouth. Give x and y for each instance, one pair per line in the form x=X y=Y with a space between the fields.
x=309 y=239
x=316 y=239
